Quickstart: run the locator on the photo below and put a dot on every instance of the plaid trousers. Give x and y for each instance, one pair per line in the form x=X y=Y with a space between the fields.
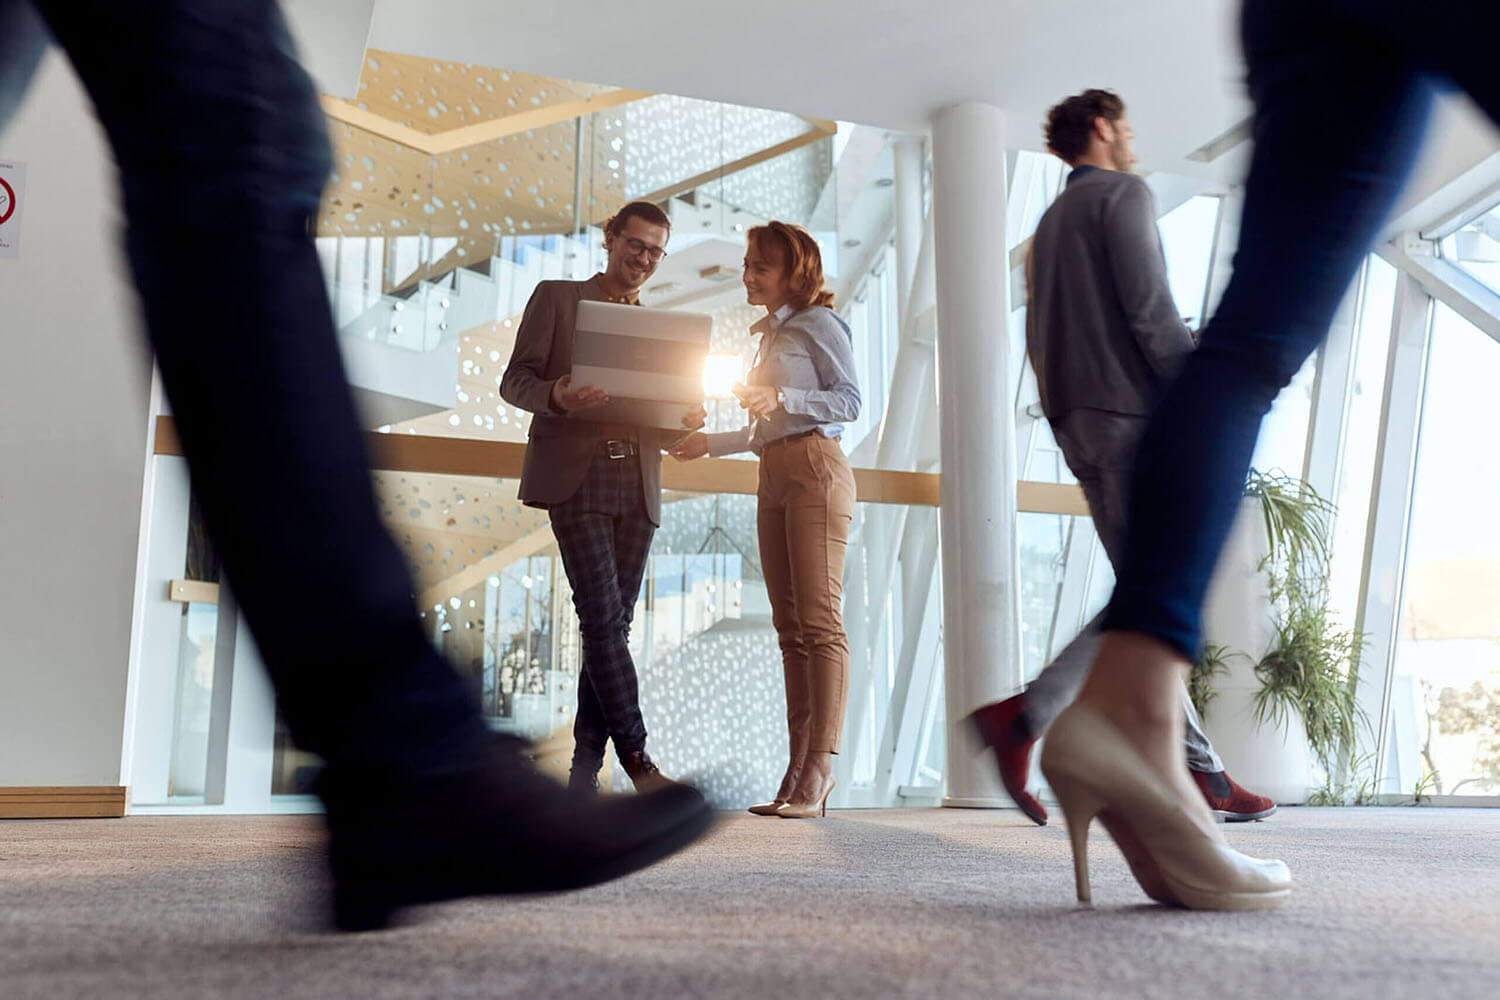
x=604 y=536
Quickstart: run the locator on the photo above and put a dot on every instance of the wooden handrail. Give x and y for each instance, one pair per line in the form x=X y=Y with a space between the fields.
x=503 y=459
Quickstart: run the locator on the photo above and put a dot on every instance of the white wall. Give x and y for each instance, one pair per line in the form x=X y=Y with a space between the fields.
x=73 y=402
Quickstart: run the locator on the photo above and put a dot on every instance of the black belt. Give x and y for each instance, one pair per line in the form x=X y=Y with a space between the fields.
x=793 y=437
x=618 y=448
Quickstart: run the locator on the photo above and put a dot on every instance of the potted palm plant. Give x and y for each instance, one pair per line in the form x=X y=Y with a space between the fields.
x=1276 y=686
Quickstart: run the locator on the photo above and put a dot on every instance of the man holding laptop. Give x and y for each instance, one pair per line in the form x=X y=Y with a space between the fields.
x=598 y=473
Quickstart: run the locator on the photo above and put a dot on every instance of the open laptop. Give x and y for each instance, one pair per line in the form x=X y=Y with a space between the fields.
x=649 y=361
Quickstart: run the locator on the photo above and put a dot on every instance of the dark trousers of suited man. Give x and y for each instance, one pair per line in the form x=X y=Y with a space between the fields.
x=601 y=485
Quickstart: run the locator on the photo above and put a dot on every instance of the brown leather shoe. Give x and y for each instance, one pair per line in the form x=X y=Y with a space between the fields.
x=644 y=774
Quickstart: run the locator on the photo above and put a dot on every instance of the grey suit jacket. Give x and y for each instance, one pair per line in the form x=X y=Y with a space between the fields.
x=1102 y=330
x=560 y=448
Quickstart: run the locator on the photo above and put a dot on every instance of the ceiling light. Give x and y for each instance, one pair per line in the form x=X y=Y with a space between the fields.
x=719 y=273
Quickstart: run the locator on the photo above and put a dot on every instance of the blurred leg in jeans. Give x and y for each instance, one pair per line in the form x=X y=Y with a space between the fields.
x=1342 y=93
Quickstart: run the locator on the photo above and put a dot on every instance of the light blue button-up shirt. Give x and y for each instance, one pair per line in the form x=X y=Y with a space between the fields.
x=809 y=355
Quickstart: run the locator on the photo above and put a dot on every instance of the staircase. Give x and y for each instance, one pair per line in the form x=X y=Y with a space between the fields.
x=400 y=347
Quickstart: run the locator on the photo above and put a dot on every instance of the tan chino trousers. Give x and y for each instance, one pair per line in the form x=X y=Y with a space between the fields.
x=806 y=504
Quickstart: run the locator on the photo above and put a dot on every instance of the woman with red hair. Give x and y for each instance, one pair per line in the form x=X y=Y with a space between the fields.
x=800 y=394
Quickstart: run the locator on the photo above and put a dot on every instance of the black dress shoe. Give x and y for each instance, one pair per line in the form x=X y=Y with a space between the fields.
x=491 y=825
x=582 y=782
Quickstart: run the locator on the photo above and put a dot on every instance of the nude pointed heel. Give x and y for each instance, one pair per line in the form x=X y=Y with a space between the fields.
x=809 y=811
x=1079 y=807
x=1176 y=857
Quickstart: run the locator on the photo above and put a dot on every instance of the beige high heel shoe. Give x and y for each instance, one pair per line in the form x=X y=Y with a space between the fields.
x=788 y=782
x=812 y=809
x=1095 y=771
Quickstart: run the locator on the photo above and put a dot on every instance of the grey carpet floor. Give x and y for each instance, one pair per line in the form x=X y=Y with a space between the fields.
x=918 y=903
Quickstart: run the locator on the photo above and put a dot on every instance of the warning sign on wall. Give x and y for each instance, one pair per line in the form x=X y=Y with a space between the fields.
x=12 y=192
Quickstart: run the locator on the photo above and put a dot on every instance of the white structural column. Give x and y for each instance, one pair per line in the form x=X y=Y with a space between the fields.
x=906 y=153
x=981 y=571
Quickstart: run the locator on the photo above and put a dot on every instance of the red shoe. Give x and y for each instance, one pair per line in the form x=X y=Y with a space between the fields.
x=1229 y=801
x=1003 y=729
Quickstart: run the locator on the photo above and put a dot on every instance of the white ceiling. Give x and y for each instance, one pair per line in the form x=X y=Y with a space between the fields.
x=888 y=63
x=885 y=63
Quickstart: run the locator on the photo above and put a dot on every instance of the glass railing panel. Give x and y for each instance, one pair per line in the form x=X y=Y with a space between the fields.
x=496 y=601
x=787 y=187
x=676 y=138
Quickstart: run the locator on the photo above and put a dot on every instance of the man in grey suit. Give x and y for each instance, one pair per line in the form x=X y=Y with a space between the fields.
x=601 y=486
x=1105 y=339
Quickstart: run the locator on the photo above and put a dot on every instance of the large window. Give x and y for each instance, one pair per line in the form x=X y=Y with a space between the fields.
x=1187 y=237
x=1476 y=249
x=1361 y=435
x=1446 y=689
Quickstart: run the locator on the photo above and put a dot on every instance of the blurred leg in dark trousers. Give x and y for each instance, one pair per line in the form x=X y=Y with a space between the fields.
x=222 y=155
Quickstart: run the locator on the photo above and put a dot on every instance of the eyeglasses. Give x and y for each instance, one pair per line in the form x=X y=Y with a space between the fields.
x=635 y=248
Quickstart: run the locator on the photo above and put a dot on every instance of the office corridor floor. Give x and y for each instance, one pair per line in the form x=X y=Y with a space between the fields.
x=1397 y=902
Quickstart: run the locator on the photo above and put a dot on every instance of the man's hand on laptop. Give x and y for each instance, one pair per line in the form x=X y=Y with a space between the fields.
x=694 y=445
x=568 y=399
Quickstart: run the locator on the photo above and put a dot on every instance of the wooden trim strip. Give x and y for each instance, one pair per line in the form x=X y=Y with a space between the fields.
x=368 y=121
x=711 y=475
x=552 y=114
x=827 y=125
x=1050 y=498
x=444 y=456
x=915 y=489
x=734 y=166
x=439 y=143
x=193 y=591
x=62 y=802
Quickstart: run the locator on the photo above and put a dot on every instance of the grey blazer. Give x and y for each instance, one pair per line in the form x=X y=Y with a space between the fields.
x=560 y=449
x=1102 y=330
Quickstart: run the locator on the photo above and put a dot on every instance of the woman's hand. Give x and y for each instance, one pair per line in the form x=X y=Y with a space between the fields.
x=694 y=445
x=758 y=400
x=695 y=418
